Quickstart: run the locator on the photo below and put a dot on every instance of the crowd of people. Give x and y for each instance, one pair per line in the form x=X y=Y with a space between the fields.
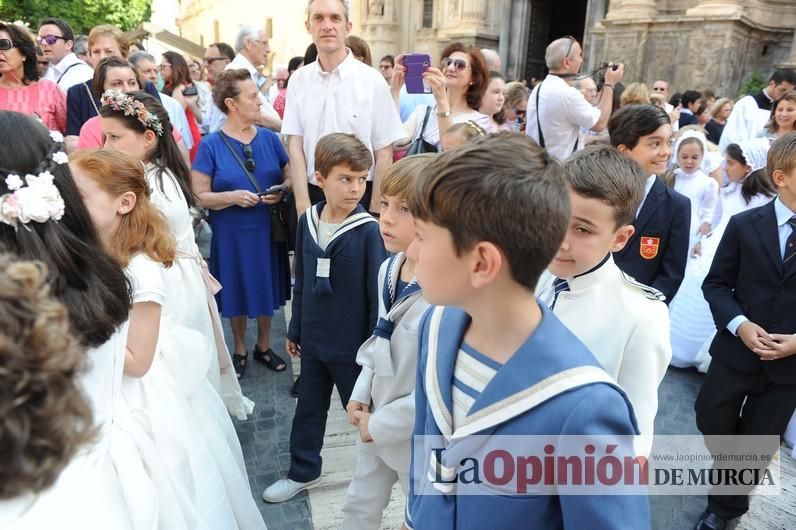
x=485 y=258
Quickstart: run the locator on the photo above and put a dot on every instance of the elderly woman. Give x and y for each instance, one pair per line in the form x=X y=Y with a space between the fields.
x=21 y=89
x=458 y=88
x=232 y=172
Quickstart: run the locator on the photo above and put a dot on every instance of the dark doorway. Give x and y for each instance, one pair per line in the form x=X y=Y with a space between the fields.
x=549 y=20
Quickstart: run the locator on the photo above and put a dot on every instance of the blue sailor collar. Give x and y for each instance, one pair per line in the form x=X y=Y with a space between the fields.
x=356 y=218
x=375 y=353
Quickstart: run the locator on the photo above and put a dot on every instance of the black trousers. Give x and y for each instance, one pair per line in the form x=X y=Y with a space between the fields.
x=735 y=403
x=309 y=424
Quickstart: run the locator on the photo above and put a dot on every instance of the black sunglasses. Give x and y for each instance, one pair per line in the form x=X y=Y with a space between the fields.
x=49 y=39
x=519 y=112
x=211 y=60
x=459 y=64
x=6 y=44
x=247 y=152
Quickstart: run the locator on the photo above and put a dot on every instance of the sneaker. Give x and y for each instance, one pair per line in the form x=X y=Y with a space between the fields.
x=285 y=489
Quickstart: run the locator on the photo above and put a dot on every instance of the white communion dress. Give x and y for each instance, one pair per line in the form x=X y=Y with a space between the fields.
x=190 y=290
x=187 y=415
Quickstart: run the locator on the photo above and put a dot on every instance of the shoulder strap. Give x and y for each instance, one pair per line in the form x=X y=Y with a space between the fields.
x=425 y=121
x=538 y=122
x=67 y=69
x=240 y=162
x=91 y=98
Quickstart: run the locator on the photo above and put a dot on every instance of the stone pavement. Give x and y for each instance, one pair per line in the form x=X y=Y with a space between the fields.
x=265 y=441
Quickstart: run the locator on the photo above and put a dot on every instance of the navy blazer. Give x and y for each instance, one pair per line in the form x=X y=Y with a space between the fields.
x=331 y=326
x=748 y=278
x=81 y=101
x=687 y=119
x=657 y=253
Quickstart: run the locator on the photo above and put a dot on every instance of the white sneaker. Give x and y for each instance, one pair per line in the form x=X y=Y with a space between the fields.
x=285 y=489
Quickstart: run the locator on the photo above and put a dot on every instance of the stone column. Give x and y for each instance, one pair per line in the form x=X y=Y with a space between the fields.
x=717 y=8
x=790 y=62
x=631 y=9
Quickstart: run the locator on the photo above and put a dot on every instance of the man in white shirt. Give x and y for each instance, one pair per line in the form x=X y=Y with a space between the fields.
x=337 y=93
x=557 y=111
x=57 y=39
x=252 y=49
x=751 y=113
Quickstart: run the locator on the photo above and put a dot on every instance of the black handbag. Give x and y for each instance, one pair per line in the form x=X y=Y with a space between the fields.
x=279 y=211
x=419 y=145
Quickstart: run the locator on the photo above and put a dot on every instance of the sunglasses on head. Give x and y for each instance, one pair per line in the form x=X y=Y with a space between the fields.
x=572 y=41
x=50 y=40
x=459 y=64
x=247 y=152
x=6 y=44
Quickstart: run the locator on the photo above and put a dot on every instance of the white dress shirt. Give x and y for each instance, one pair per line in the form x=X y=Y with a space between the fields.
x=353 y=98
x=564 y=111
x=69 y=72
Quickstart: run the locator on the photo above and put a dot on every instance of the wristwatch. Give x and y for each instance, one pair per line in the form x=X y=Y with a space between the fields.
x=444 y=114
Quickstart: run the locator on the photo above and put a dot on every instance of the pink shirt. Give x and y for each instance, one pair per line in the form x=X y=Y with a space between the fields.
x=42 y=98
x=91 y=134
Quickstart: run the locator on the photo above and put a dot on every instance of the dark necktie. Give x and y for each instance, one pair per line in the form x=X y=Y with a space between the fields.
x=559 y=285
x=790 y=243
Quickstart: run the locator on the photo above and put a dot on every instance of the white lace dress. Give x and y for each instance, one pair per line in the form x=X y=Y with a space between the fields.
x=188 y=417
x=189 y=291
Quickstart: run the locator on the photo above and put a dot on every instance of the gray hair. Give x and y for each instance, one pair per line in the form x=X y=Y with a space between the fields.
x=492 y=59
x=136 y=58
x=248 y=32
x=556 y=52
x=81 y=45
x=345 y=3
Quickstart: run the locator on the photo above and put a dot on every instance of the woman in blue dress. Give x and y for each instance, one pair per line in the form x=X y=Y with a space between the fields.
x=253 y=269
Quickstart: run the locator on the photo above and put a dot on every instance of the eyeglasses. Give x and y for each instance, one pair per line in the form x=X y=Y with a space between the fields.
x=211 y=60
x=43 y=63
x=520 y=113
x=247 y=152
x=164 y=65
x=459 y=64
x=50 y=40
x=6 y=44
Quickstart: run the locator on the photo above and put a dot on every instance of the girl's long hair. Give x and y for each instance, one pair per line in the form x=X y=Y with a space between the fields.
x=143 y=229
x=756 y=182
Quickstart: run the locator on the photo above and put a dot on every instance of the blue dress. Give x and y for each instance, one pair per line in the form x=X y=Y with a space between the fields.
x=252 y=269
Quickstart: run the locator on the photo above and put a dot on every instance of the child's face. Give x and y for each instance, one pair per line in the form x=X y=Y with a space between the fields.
x=396 y=223
x=105 y=210
x=343 y=187
x=736 y=171
x=689 y=157
x=119 y=137
x=591 y=235
x=438 y=269
x=652 y=152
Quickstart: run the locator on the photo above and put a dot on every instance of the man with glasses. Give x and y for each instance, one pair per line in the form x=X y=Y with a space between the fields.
x=557 y=111
x=57 y=40
x=217 y=56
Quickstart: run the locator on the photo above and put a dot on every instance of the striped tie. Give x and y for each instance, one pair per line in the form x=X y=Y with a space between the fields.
x=790 y=243
x=559 y=285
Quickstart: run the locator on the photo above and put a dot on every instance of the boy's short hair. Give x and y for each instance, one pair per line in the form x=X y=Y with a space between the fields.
x=782 y=154
x=400 y=177
x=603 y=173
x=341 y=149
x=504 y=189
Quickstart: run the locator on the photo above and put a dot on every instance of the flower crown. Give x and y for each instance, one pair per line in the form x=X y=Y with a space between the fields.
x=34 y=198
x=132 y=107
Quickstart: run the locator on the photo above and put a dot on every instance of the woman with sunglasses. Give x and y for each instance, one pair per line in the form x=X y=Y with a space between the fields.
x=21 y=88
x=516 y=105
x=458 y=88
x=233 y=170
x=136 y=124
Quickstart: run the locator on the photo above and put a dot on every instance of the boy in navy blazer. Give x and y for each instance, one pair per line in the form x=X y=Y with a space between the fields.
x=750 y=388
x=657 y=252
x=339 y=250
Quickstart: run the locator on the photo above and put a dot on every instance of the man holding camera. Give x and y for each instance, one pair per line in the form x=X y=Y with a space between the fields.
x=557 y=111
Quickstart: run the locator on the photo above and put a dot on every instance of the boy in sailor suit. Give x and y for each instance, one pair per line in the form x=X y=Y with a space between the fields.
x=382 y=404
x=489 y=217
x=625 y=324
x=335 y=301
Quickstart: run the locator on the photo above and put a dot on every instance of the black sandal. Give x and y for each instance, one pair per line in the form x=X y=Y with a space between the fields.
x=270 y=359
x=240 y=362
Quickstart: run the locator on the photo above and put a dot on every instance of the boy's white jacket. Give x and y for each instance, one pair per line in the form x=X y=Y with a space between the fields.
x=624 y=324
x=387 y=380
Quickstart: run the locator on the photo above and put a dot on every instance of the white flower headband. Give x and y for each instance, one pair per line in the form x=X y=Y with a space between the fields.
x=131 y=107
x=34 y=198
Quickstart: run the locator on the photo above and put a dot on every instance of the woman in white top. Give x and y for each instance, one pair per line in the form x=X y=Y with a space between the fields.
x=458 y=88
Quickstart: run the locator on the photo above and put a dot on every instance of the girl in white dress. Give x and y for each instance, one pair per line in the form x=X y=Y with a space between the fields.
x=689 y=179
x=189 y=285
x=69 y=461
x=692 y=327
x=166 y=363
